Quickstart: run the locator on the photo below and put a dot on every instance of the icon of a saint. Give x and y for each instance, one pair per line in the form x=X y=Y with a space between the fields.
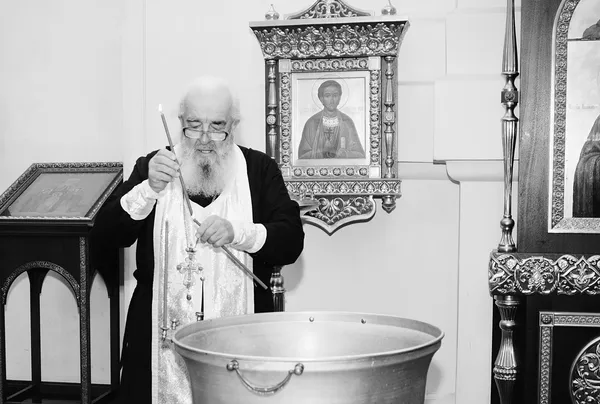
x=330 y=133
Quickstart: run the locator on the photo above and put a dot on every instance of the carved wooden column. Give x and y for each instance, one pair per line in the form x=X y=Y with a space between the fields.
x=510 y=99
x=271 y=109
x=85 y=363
x=388 y=202
x=389 y=117
x=506 y=366
x=277 y=289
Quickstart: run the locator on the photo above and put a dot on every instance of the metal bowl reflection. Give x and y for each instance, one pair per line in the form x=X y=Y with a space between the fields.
x=308 y=357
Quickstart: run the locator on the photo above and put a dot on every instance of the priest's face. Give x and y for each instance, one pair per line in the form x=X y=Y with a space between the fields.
x=331 y=98
x=207 y=139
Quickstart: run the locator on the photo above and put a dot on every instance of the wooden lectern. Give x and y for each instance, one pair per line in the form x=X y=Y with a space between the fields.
x=45 y=220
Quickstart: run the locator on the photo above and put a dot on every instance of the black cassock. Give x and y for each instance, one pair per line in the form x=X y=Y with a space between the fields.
x=114 y=228
x=586 y=184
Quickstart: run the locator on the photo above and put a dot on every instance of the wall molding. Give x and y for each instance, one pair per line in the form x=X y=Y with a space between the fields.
x=479 y=170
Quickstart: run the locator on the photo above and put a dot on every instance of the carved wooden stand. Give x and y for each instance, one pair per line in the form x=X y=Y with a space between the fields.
x=554 y=279
x=24 y=250
x=37 y=245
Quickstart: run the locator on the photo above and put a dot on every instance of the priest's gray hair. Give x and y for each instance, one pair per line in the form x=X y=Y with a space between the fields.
x=205 y=81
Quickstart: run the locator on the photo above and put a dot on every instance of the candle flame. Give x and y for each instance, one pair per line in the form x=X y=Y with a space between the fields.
x=160 y=108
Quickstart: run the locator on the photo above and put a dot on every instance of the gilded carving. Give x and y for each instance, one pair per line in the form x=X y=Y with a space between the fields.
x=330 y=64
x=546 y=319
x=328 y=9
x=577 y=319
x=505 y=366
x=585 y=376
x=331 y=40
x=545 y=364
x=358 y=187
x=534 y=274
x=286 y=118
x=537 y=275
x=334 y=212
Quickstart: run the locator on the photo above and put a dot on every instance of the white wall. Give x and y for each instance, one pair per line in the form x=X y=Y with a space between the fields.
x=426 y=260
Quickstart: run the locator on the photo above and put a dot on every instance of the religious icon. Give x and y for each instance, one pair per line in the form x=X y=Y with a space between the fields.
x=59 y=192
x=575 y=198
x=586 y=194
x=330 y=133
x=330 y=118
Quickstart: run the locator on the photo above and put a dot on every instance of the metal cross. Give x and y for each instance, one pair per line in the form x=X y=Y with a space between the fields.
x=189 y=268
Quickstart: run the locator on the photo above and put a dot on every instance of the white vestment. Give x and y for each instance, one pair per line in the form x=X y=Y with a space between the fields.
x=228 y=291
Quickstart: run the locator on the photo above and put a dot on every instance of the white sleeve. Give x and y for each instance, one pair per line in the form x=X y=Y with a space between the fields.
x=140 y=200
x=248 y=236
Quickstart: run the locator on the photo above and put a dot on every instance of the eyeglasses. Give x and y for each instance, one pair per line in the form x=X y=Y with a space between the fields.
x=196 y=133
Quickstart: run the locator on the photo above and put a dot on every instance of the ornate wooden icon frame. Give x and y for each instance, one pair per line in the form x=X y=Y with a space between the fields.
x=332 y=37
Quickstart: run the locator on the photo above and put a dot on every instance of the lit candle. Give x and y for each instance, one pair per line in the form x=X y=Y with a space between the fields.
x=164 y=121
x=183 y=187
x=166 y=275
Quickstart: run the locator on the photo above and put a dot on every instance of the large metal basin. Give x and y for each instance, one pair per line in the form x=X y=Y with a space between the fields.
x=308 y=357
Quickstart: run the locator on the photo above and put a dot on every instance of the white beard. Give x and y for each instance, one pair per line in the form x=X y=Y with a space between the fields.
x=206 y=177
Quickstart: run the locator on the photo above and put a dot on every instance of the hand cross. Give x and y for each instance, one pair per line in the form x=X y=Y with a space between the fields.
x=189 y=268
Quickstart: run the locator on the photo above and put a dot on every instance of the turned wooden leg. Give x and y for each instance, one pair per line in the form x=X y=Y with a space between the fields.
x=505 y=366
x=277 y=289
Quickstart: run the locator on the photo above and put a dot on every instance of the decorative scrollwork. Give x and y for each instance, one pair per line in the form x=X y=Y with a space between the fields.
x=286 y=152
x=333 y=213
x=545 y=364
x=328 y=38
x=322 y=41
x=333 y=210
x=546 y=319
x=350 y=187
x=534 y=274
x=328 y=9
x=330 y=65
x=344 y=202
x=587 y=320
x=537 y=276
x=585 y=375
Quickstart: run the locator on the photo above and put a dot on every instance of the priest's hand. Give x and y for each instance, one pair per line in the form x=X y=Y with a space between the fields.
x=215 y=231
x=162 y=169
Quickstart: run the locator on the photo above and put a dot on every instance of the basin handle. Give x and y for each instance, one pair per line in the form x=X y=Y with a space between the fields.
x=235 y=365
